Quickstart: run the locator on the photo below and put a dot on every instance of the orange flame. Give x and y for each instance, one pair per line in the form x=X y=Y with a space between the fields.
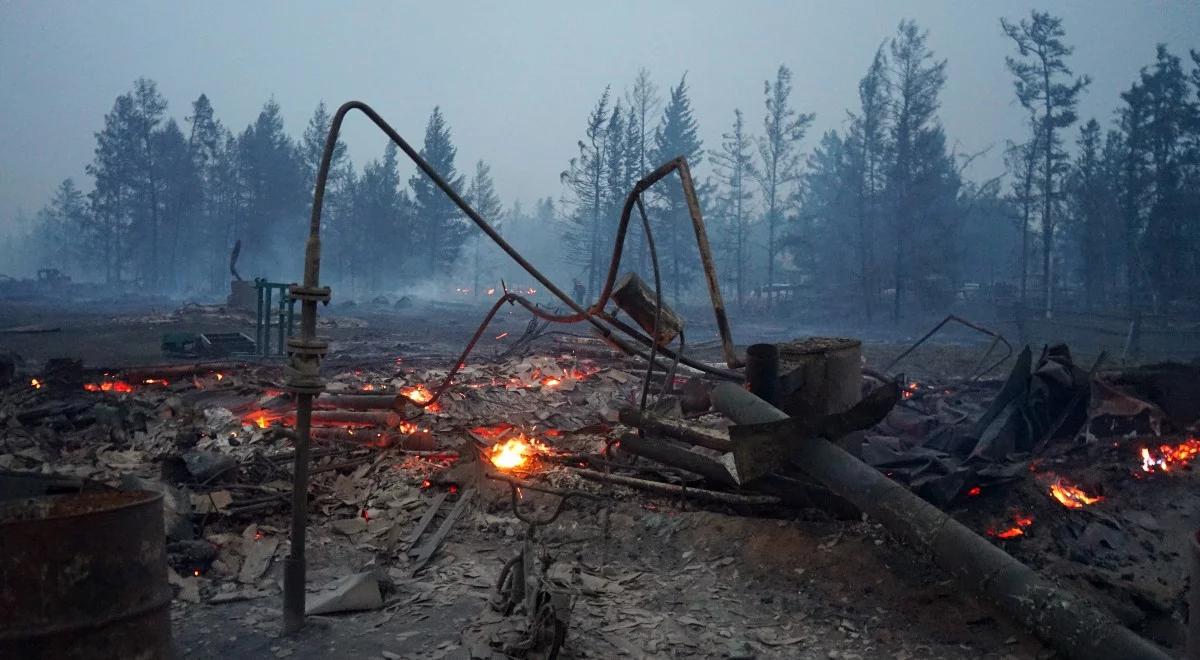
x=516 y=452
x=109 y=386
x=1168 y=458
x=1020 y=522
x=420 y=394
x=1072 y=496
x=35 y=384
x=261 y=418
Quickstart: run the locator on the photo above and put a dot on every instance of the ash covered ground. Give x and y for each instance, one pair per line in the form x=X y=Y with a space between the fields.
x=652 y=574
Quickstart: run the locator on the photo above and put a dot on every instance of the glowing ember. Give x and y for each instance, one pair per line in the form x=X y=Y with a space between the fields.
x=515 y=452
x=492 y=432
x=908 y=392
x=500 y=336
x=220 y=376
x=974 y=492
x=1020 y=522
x=156 y=381
x=109 y=386
x=420 y=394
x=1168 y=458
x=551 y=381
x=1071 y=496
x=368 y=388
x=408 y=428
x=35 y=384
x=262 y=418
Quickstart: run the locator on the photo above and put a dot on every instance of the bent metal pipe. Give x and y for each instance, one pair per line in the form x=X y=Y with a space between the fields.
x=306 y=350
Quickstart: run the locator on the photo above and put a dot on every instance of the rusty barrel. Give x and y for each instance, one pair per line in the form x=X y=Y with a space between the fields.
x=84 y=576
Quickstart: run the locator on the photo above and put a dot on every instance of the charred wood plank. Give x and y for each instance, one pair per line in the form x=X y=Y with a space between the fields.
x=677 y=428
x=638 y=300
x=425 y=552
x=679 y=457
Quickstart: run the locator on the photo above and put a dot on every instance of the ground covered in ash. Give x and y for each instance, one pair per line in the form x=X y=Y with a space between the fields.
x=650 y=575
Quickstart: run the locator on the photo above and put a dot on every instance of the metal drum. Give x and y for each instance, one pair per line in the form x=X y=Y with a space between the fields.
x=84 y=576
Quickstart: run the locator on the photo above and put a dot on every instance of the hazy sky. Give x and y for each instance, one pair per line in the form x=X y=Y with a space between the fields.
x=516 y=79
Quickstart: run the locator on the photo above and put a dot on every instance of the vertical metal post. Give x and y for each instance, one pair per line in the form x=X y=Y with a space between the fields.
x=282 y=326
x=706 y=259
x=266 y=347
x=294 y=565
x=762 y=371
x=258 y=319
x=291 y=315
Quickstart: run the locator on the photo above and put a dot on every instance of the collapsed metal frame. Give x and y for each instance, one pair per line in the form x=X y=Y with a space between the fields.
x=303 y=370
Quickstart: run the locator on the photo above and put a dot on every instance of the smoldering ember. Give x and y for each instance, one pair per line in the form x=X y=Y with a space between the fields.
x=923 y=385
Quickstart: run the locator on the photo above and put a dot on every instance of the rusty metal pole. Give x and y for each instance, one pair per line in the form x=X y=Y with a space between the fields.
x=305 y=351
x=710 y=268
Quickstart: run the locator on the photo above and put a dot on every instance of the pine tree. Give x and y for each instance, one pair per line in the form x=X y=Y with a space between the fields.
x=1021 y=161
x=1133 y=185
x=1087 y=196
x=271 y=220
x=643 y=100
x=56 y=240
x=918 y=147
x=180 y=196
x=587 y=190
x=1044 y=84
x=312 y=146
x=734 y=165
x=116 y=191
x=439 y=228
x=1171 y=115
x=677 y=135
x=778 y=148
x=867 y=148
x=206 y=140
x=828 y=213
x=149 y=110
x=379 y=232
x=481 y=194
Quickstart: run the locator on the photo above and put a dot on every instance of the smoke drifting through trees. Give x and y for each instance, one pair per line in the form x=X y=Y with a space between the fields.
x=878 y=216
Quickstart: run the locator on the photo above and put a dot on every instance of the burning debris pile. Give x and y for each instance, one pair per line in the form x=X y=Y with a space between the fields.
x=1096 y=512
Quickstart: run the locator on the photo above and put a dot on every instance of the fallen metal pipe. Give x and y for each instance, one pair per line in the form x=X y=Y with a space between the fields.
x=1073 y=626
x=1193 y=629
x=305 y=351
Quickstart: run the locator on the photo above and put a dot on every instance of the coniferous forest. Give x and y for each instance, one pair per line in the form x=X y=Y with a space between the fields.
x=880 y=214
